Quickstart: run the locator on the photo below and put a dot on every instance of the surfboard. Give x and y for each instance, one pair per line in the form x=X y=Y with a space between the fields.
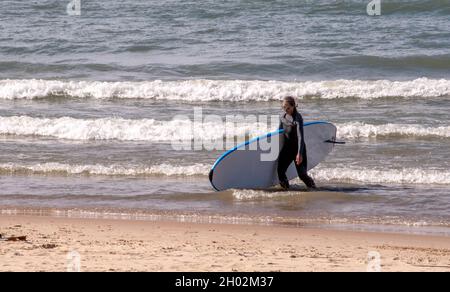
x=243 y=167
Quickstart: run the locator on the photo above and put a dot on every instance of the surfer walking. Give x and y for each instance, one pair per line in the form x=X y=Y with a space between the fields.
x=294 y=148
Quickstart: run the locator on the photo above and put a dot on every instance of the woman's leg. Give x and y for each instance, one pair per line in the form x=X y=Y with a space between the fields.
x=302 y=171
x=284 y=160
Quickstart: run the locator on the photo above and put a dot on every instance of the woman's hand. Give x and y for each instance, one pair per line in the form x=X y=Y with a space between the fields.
x=298 y=159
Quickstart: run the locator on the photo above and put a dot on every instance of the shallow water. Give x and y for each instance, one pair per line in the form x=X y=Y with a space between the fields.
x=88 y=105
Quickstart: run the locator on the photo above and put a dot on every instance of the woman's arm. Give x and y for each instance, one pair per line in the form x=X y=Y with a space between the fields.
x=299 y=121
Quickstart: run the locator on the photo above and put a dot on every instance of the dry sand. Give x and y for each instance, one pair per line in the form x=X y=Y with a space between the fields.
x=115 y=245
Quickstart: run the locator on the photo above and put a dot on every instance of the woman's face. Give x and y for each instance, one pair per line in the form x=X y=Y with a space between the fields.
x=289 y=109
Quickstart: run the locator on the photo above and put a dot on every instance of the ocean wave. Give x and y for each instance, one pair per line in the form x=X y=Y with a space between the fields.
x=357 y=130
x=337 y=175
x=244 y=195
x=354 y=175
x=387 y=176
x=185 y=130
x=125 y=129
x=55 y=168
x=223 y=90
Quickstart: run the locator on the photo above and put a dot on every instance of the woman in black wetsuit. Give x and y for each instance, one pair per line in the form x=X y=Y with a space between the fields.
x=294 y=148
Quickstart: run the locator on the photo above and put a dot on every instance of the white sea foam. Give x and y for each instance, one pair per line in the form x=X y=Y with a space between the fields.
x=124 y=129
x=56 y=168
x=339 y=175
x=224 y=90
x=244 y=195
x=356 y=175
x=380 y=176
x=182 y=130
x=360 y=130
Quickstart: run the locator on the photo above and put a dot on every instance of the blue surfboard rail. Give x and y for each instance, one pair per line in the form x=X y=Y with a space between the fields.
x=222 y=157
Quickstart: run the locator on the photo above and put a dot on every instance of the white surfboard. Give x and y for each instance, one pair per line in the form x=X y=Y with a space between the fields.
x=243 y=168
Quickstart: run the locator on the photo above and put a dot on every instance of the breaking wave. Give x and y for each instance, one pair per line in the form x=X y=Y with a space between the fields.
x=224 y=90
x=389 y=176
x=124 y=129
x=186 y=130
x=339 y=175
x=360 y=130
x=104 y=170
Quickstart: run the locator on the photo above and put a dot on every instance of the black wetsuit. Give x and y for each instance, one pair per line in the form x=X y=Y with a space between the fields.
x=294 y=144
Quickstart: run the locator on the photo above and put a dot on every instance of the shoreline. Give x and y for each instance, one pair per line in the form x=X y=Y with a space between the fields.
x=234 y=219
x=129 y=245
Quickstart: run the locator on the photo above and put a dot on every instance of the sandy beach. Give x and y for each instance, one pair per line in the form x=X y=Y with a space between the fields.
x=144 y=136
x=119 y=245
